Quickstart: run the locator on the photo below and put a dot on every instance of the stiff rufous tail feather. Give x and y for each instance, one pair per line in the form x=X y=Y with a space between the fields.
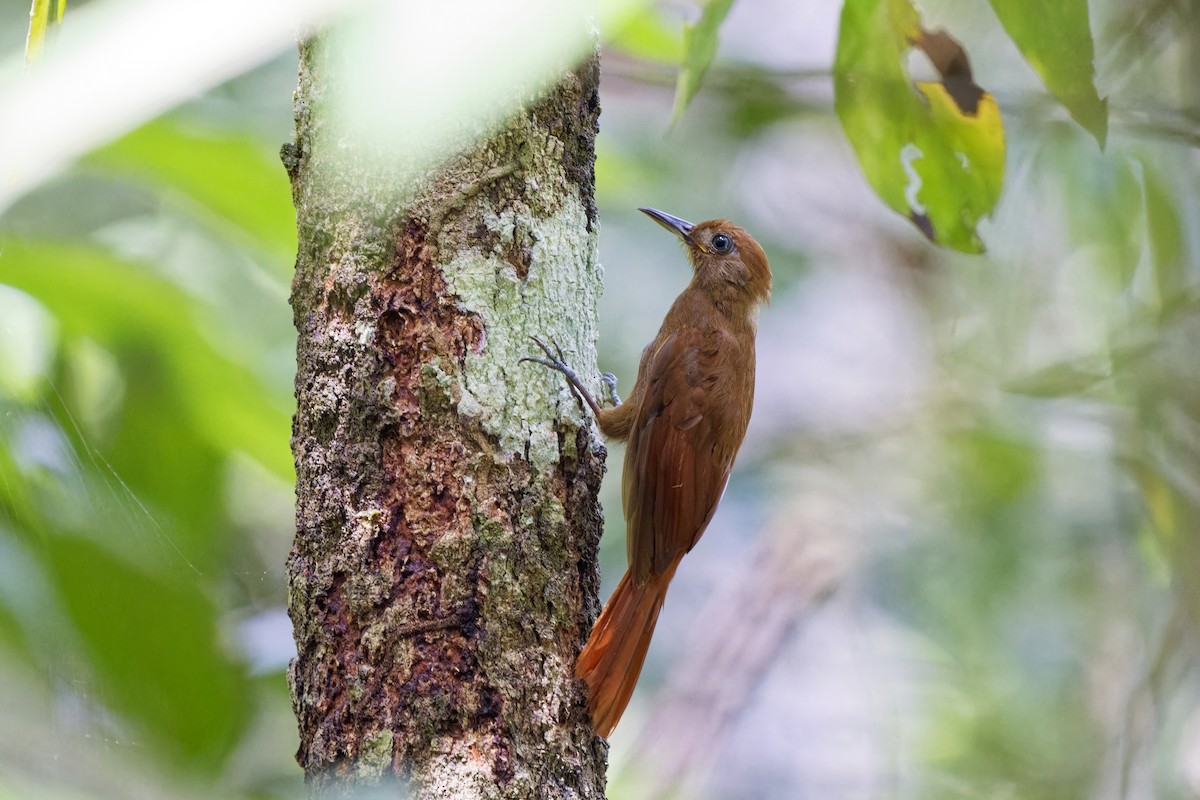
x=612 y=658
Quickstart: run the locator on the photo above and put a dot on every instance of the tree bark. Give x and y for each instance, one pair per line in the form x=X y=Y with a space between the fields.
x=443 y=575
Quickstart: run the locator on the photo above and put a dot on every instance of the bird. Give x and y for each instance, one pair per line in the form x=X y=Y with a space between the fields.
x=684 y=421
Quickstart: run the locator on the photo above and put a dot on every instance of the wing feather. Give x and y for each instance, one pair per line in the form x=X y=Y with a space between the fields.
x=681 y=447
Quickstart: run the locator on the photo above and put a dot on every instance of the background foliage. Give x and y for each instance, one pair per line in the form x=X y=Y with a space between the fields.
x=958 y=557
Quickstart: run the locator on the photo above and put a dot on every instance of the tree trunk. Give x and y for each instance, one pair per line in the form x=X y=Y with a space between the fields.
x=444 y=575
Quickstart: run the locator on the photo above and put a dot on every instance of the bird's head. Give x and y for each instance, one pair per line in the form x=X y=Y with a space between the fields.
x=727 y=261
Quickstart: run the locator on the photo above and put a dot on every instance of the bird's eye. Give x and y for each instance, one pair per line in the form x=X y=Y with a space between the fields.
x=722 y=243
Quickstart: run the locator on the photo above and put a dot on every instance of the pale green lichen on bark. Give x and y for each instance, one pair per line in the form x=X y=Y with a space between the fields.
x=531 y=307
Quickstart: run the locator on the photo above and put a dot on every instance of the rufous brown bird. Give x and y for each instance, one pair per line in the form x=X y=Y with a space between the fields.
x=684 y=421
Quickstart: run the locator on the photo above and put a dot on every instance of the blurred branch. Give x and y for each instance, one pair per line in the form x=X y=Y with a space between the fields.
x=802 y=559
x=1133 y=742
x=1180 y=125
x=1128 y=38
x=742 y=82
x=723 y=77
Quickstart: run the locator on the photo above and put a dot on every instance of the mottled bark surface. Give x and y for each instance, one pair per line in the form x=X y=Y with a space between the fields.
x=443 y=575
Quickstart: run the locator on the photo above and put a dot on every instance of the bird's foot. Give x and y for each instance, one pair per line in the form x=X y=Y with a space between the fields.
x=556 y=361
x=610 y=388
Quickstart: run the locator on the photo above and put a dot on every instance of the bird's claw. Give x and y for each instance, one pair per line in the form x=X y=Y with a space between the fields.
x=554 y=358
x=610 y=388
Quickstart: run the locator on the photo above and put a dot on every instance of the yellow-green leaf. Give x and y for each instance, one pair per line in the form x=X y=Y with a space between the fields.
x=39 y=20
x=1056 y=40
x=39 y=17
x=933 y=151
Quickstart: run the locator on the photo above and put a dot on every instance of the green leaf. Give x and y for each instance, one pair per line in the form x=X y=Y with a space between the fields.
x=155 y=650
x=231 y=176
x=156 y=328
x=25 y=605
x=1056 y=40
x=39 y=17
x=29 y=349
x=934 y=152
x=16 y=508
x=644 y=35
x=1062 y=379
x=39 y=20
x=1165 y=234
x=994 y=466
x=1113 y=214
x=1104 y=208
x=699 y=47
x=759 y=102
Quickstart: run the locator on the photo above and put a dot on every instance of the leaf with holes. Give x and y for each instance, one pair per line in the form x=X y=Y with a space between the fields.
x=933 y=151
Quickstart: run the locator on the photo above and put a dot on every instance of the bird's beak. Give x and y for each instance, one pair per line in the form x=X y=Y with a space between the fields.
x=680 y=227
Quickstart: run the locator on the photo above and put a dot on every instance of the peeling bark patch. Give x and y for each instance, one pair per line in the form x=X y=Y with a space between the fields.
x=414 y=295
x=425 y=463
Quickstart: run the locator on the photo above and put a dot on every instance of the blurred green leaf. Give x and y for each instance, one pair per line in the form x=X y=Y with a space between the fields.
x=933 y=158
x=31 y=339
x=95 y=386
x=994 y=467
x=15 y=506
x=645 y=35
x=131 y=312
x=1174 y=518
x=11 y=634
x=19 y=578
x=1005 y=743
x=231 y=176
x=1150 y=548
x=1165 y=234
x=757 y=101
x=699 y=48
x=1056 y=40
x=39 y=18
x=1162 y=452
x=1062 y=379
x=155 y=651
x=1105 y=208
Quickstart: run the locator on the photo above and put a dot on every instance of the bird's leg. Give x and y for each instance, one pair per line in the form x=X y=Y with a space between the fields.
x=610 y=388
x=555 y=360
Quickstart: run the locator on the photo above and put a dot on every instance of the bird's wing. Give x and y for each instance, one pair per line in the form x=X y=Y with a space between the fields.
x=680 y=450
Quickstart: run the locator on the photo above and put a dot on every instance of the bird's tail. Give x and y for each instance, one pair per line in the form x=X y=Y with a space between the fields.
x=612 y=658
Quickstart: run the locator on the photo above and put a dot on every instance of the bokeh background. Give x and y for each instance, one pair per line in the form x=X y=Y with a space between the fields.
x=959 y=556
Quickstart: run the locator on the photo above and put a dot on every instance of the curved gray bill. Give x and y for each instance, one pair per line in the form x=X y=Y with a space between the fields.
x=680 y=227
